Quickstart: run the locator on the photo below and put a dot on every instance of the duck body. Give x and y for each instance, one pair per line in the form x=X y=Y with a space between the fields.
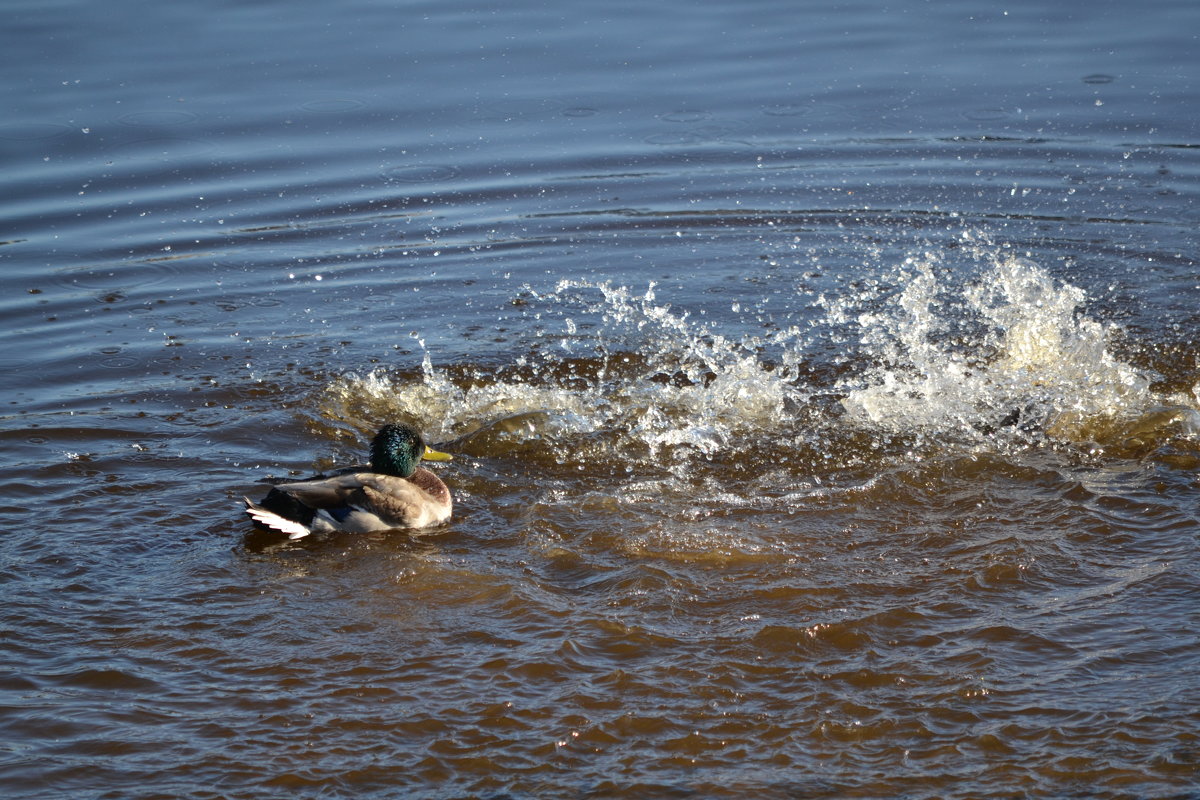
x=393 y=492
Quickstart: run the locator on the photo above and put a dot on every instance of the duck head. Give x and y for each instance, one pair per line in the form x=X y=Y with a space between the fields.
x=397 y=449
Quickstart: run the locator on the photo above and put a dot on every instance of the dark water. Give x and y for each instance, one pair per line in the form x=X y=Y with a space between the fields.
x=822 y=380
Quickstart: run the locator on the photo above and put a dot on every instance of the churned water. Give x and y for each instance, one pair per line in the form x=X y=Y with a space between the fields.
x=822 y=382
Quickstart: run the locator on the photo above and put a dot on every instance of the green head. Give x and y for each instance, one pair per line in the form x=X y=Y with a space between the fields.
x=397 y=449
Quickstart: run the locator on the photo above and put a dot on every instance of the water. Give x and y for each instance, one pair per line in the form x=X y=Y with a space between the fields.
x=822 y=382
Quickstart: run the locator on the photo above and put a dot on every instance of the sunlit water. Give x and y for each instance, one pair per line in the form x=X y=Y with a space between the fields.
x=822 y=384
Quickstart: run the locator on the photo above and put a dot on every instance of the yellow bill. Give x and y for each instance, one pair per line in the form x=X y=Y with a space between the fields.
x=436 y=455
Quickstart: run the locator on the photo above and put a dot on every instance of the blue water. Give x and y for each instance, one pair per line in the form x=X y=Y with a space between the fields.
x=822 y=380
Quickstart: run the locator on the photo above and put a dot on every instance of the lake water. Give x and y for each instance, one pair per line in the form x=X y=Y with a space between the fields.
x=822 y=380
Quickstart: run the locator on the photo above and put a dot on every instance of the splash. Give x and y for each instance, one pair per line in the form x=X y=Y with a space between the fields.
x=965 y=348
x=613 y=370
x=967 y=344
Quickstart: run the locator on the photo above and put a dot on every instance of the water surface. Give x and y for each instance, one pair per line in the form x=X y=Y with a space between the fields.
x=822 y=382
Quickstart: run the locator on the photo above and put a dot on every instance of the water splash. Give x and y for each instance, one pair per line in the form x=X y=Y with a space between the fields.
x=985 y=341
x=613 y=366
x=970 y=344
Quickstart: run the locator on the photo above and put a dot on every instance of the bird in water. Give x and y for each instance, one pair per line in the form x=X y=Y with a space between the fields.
x=393 y=492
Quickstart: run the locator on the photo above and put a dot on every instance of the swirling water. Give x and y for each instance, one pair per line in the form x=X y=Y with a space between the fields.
x=822 y=385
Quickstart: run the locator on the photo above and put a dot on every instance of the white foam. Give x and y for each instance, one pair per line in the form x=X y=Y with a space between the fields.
x=656 y=377
x=962 y=346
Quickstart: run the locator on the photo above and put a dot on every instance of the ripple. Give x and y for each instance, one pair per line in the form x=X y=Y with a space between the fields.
x=724 y=131
x=30 y=131
x=154 y=119
x=421 y=173
x=118 y=362
x=106 y=679
x=8 y=363
x=229 y=303
x=787 y=110
x=685 y=116
x=117 y=277
x=162 y=149
x=1097 y=78
x=611 y=609
x=986 y=114
x=337 y=105
x=528 y=107
x=671 y=139
x=580 y=111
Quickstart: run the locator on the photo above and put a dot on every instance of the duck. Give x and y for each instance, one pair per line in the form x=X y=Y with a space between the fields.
x=393 y=492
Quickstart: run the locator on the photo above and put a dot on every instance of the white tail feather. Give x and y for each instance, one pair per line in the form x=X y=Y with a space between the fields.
x=293 y=529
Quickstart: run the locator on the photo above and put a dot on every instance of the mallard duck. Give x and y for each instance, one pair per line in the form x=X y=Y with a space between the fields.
x=393 y=492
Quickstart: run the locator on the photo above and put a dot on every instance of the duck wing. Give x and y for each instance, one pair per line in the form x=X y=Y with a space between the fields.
x=415 y=502
x=322 y=491
x=356 y=502
x=298 y=508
